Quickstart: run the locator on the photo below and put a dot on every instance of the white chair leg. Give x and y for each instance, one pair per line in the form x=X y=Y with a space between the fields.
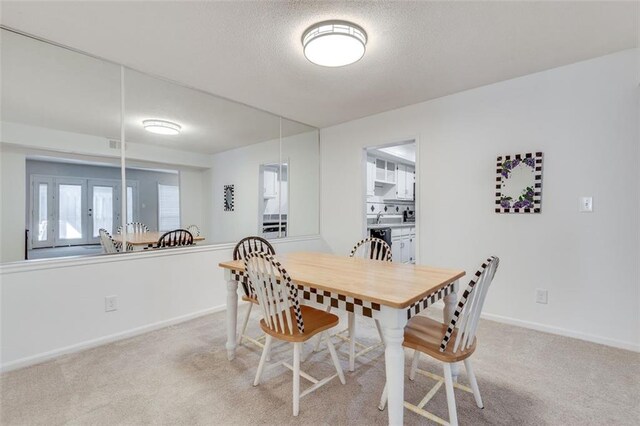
x=336 y=361
x=263 y=358
x=352 y=341
x=380 y=331
x=414 y=364
x=296 y=378
x=316 y=347
x=383 y=398
x=245 y=323
x=451 y=399
x=473 y=382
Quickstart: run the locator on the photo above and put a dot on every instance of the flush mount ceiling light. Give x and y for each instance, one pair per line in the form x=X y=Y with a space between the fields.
x=161 y=127
x=334 y=43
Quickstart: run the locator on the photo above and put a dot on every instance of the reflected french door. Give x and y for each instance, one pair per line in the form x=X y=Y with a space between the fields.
x=71 y=211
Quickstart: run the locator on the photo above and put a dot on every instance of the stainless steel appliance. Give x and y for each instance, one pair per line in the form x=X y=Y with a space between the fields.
x=409 y=216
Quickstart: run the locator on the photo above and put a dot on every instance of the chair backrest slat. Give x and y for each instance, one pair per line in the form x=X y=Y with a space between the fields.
x=372 y=248
x=175 y=238
x=276 y=293
x=469 y=308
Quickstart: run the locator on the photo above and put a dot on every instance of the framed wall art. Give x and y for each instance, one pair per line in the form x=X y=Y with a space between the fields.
x=229 y=196
x=519 y=183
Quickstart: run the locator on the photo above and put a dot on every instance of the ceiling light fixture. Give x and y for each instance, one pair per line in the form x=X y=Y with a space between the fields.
x=334 y=43
x=161 y=127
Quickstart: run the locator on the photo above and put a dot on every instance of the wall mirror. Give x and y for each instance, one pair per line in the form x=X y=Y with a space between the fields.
x=519 y=183
x=61 y=136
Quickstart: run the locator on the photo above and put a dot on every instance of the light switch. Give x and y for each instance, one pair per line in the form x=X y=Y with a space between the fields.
x=586 y=204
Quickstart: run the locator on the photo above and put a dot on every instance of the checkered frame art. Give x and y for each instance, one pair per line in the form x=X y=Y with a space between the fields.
x=535 y=161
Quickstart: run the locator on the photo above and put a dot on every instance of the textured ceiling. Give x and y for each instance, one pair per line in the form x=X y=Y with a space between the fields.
x=251 y=52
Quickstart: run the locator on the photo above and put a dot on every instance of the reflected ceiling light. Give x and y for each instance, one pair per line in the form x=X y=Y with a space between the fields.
x=161 y=127
x=334 y=43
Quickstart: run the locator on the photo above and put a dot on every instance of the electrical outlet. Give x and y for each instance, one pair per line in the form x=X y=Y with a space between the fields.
x=586 y=204
x=542 y=296
x=110 y=303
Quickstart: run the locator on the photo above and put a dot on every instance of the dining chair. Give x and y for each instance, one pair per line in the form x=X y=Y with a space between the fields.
x=244 y=247
x=449 y=343
x=286 y=320
x=194 y=229
x=109 y=245
x=134 y=228
x=175 y=238
x=373 y=249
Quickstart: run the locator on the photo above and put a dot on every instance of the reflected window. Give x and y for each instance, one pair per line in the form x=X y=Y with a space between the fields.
x=43 y=191
x=168 y=207
x=102 y=209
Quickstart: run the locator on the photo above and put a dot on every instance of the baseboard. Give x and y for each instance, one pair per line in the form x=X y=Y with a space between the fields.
x=554 y=330
x=46 y=356
x=563 y=332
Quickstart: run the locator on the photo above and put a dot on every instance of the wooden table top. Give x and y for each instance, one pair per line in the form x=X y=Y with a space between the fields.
x=392 y=284
x=146 y=238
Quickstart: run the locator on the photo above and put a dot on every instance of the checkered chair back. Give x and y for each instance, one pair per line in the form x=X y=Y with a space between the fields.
x=249 y=245
x=134 y=228
x=372 y=248
x=108 y=243
x=175 y=238
x=194 y=229
x=467 y=313
x=277 y=295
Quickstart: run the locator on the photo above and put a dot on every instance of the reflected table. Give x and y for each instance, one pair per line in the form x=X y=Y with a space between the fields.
x=146 y=240
x=389 y=292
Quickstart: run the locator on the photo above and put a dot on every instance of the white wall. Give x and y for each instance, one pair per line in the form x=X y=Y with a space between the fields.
x=56 y=306
x=584 y=118
x=12 y=205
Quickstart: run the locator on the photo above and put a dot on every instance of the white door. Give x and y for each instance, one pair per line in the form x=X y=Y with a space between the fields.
x=70 y=200
x=103 y=211
x=396 y=250
x=42 y=212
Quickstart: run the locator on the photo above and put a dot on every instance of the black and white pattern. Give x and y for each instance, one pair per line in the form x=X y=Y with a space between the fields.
x=374 y=249
x=537 y=190
x=229 y=198
x=423 y=304
x=134 y=228
x=463 y=300
x=194 y=229
x=284 y=276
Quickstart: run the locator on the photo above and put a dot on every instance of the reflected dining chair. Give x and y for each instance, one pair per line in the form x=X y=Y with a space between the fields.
x=175 y=238
x=109 y=245
x=194 y=229
x=134 y=228
x=449 y=343
x=244 y=247
x=286 y=320
x=373 y=249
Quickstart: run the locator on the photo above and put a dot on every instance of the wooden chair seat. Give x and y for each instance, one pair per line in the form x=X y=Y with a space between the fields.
x=315 y=321
x=425 y=335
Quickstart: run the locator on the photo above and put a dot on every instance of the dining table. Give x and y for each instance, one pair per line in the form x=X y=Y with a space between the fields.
x=145 y=240
x=389 y=292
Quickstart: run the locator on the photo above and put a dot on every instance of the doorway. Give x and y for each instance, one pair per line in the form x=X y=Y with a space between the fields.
x=390 y=197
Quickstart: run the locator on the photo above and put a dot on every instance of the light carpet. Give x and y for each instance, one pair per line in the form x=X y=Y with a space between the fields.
x=180 y=375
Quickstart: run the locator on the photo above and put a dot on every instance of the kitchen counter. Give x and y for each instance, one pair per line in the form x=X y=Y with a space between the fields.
x=391 y=225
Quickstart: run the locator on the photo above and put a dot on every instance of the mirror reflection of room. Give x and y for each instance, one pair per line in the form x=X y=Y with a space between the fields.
x=63 y=129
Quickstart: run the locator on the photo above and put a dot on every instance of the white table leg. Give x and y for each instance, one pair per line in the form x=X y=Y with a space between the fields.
x=232 y=315
x=393 y=322
x=450 y=303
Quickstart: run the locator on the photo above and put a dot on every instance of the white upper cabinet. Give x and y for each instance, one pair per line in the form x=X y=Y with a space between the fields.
x=371 y=176
x=385 y=171
x=405 y=177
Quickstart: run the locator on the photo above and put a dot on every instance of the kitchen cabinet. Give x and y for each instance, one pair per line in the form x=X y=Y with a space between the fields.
x=371 y=176
x=403 y=245
x=405 y=177
x=385 y=171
